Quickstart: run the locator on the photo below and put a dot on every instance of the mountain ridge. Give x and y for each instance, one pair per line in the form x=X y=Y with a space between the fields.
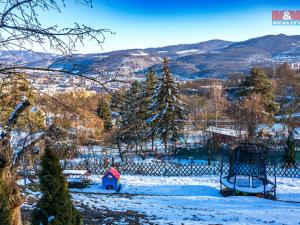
x=214 y=58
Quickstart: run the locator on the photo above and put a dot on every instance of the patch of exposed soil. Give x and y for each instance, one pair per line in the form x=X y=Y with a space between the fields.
x=93 y=216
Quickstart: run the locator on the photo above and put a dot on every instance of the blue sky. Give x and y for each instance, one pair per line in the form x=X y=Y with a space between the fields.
x=154 y=23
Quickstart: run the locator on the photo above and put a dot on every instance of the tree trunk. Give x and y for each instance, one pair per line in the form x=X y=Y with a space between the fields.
x=166 y=148
x=7 y=176
x=152 y=143
x=136 y=149
x=175 y=147
x=16 y=216
x=209 y=157
x=141 y=147
x=120 y=151
x=15 y=198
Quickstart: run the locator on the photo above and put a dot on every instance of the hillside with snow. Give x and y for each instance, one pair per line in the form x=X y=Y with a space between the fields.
x=214 y=58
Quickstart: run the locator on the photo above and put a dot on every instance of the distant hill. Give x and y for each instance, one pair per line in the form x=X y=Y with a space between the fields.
x=214 y=58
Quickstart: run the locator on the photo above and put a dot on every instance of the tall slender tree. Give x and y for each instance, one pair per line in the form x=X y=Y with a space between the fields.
x=149 y=92
x=132 y=124
x=169 y=113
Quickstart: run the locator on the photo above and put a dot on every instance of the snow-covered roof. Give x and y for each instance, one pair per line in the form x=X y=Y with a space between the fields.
x=226 y=131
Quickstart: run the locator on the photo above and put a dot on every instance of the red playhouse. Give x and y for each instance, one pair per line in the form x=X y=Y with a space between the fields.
x=111 y=180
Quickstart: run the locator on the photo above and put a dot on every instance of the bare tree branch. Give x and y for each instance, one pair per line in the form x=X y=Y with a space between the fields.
x=21 y=27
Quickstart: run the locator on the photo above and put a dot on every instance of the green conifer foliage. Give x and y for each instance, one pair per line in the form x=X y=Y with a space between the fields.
x=116 y=102
x=150 y=84
x=289 y=156
x=133 y=115
x=259 y=83
x=169 y=111
x=103 y=111
x=55 y=206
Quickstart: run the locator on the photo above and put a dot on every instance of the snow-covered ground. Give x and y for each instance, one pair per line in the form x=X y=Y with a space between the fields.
x=189 y=200
x=194 y=200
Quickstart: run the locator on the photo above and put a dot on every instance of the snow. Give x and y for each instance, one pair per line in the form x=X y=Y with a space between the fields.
x=187 y=51
x=152 y=118
x=190 y=200
x=239 y=187
x=50 y=219
x=294 y=115
x=296 y=133
x=20 y=105
x=21 y=182
x=276 y=128
x=279 y=129
x=139 y=53
x=21 y=139
x=74 y=172
x=225 y=131
x=194 y=200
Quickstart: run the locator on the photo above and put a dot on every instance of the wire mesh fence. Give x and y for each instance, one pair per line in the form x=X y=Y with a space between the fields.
x=97 y=166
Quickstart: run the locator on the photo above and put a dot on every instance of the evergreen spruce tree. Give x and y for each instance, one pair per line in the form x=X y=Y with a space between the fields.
x=5 y=212
x=259 y=83
x=150 y=84
x=103 y=111
x=169 y=113
x=116 y=102
x=55 y=206
x=149 y=93
x=289 y=156
x=132 y=114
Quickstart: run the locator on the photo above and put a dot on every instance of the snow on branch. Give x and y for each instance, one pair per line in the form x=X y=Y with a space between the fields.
x=21 y=140
x=13 y=117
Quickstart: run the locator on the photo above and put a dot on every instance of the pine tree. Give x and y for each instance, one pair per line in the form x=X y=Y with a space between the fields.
x=149 y=93
x=132 y=114
x=150 y=83
x=258 y=86
x=55 y=207
x=116 y=102
x=289 y=156
x=5 y=212
x=169 y=113
x=103 y=111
